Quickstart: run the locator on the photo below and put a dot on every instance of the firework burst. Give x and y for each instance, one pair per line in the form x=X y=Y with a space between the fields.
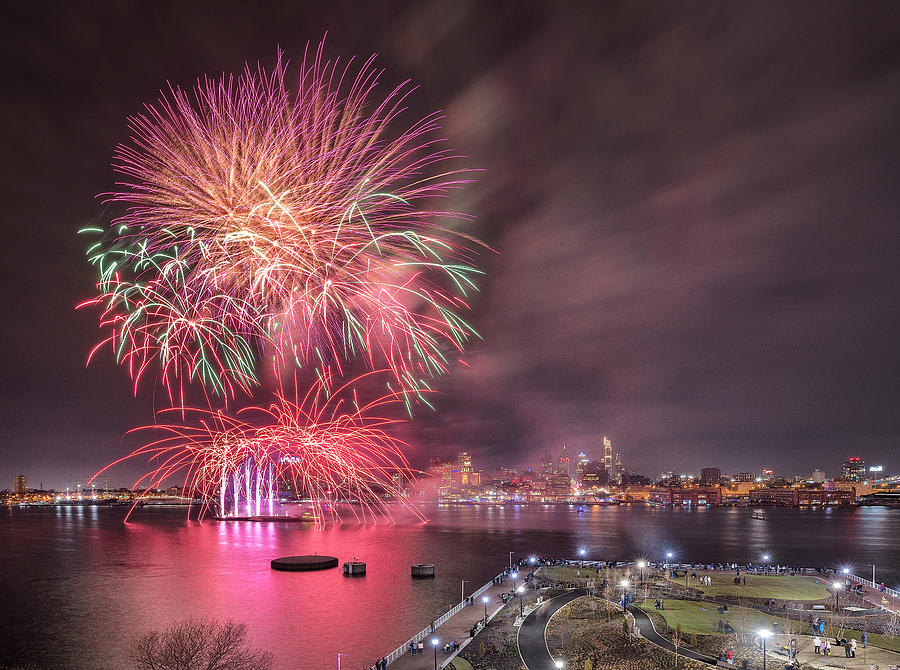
x=323 y=447
x=298 y=225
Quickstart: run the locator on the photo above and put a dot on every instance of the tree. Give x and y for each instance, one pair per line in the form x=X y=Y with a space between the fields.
x=588 y=664
x=198 y=644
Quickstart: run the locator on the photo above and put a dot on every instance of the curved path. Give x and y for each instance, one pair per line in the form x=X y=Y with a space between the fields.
x=531 y=639
x=648 y=632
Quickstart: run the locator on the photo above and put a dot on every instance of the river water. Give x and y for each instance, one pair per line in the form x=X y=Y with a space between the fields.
x=76 y=583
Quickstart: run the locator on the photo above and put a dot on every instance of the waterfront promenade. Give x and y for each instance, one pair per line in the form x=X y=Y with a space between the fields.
x=455 y=628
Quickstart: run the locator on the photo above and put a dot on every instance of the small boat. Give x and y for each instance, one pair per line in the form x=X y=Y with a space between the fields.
x=759 y=514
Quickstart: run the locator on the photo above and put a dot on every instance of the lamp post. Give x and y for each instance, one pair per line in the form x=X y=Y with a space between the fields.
x=641 y=565
x=559 y=664
x=521 y=592
x=837 y=590
x=581 y=553
x=668 y=558
x=510 y=560
x=485 y=601
x=764 y=634
x=462 y=590
x=514 y=575
x=434 y=643
x=533 y=560
x=765 y=562
x=624 y=585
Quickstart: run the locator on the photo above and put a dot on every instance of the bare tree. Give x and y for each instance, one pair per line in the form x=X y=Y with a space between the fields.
x=198 y=644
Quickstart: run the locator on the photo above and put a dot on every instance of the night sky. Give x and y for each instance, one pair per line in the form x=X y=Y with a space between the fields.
x=694 y=208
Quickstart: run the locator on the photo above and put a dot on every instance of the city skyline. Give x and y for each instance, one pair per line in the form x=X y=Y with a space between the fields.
x=684 y=309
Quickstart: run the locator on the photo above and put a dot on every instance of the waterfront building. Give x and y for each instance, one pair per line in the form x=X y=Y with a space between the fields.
x=743 y=477
x=818 y=476
x=686 y=496
x=20 y=485
x=820 y=496
x=788 y=497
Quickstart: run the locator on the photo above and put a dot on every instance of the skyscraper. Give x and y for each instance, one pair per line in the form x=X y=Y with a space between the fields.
x=564 y=463
x=607 y=456
x=464 y=463
x=580 y=466
x=546 y=463
x=20 y=484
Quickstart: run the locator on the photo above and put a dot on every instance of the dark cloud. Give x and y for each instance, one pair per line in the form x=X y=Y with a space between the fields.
x=694 y=208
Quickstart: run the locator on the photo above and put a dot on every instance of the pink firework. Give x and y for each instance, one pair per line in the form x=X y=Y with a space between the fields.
x=323 y=448
x=294 y=224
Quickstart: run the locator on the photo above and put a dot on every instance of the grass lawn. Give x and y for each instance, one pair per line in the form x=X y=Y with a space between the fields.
x=461 y=664
x=703 y=618
x=572 y=573
x=782 y=587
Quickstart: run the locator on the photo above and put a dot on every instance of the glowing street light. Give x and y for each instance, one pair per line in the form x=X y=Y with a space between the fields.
x=532 y=560
x=514 y=575
x=559 y=664
x=641 y=565
x=764 y=634
x=521 y=592
x=624 y=584
x=485 y=601
x=434 y=643
x=837 y=590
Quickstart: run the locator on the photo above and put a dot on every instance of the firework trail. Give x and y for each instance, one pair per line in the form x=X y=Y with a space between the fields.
x=324 y=447
x=261 y=222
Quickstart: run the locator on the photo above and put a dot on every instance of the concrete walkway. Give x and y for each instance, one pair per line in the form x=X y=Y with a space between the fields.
x=806 y=655
x=532 y=636
x=455 y=629
x=648 y=632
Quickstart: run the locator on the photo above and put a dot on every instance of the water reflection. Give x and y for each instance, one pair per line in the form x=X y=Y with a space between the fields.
x=68 y=565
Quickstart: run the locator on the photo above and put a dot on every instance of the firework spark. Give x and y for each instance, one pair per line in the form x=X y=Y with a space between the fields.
x=263 y=222
x=323 y=447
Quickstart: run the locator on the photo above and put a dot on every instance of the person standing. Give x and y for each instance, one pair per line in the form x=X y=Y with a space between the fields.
x=816 y=643
x=865 y=639
x=853 y=647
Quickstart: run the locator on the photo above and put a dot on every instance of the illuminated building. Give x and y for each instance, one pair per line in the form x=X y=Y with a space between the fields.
x=743 y=477
x=20 y=485
x=607 y=457
x=464 y=468
x=710 y=476
x=686 y=496
x=853 y=469
x=818 y=476
x=564 y=463
x=546 y=463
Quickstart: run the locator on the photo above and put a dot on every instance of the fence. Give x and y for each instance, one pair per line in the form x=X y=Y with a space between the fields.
x=868 y=582
x=425 y=632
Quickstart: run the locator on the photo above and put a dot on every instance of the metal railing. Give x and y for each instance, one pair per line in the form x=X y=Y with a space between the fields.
x=868 y=582
x=425 y=632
